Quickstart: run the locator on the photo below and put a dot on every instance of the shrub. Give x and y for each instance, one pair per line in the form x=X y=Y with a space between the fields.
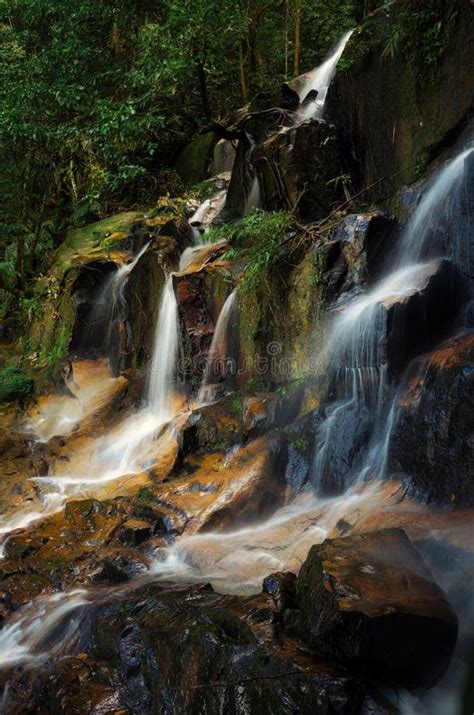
x=15 y=385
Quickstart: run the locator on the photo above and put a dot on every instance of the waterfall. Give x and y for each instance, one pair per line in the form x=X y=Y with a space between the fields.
x=443 y=220
x=206 y=213
x=253 y=199
x=165 y=351
x=354 y=437
x=109 y=308
x=200 y=223
x=218 y=358
x=319 y=79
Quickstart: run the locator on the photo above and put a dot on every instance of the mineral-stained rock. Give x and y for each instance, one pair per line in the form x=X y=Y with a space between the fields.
x=432 y=443
x=201 y=290
x=369 y=600
x=227 y=490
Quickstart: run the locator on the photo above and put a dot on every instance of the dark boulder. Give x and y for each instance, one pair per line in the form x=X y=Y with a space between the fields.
x=432 y=445
x=369 y=600
x=289 y=99
x=171 y=649
x=299 y=168
x=281 y=587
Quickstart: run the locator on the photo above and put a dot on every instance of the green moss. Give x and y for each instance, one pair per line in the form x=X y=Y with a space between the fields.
x=15 y=385
x=301 y=445
x=145 y=495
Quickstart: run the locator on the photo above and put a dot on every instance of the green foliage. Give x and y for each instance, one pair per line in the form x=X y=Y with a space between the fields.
x=422 y=31
x=15 y=385
x=255 y=240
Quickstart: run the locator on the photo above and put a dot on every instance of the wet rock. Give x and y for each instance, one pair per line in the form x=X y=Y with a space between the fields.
x=134 y=532
x=165 y=648
x=217 y=426
x=120 y=567
x=431 y=446
x=234 y=489
x=281 y=587
x=354 y=251
x=340 y=446
x=369 y=600
x=296 y=168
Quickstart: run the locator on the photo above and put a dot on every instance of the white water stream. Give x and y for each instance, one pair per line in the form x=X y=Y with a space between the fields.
x=108 y=307
x=356 y=348
x=218 y=355
x=319 y=79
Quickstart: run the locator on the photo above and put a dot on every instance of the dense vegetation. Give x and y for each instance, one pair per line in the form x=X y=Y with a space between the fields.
x=99 y=95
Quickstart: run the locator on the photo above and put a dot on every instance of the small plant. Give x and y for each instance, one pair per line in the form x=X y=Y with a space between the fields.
x=256 y=239
x=15 y=385
x=301 y=445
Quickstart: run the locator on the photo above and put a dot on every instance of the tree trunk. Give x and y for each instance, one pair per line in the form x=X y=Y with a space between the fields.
x=296 y=65
x=20 y=262
x=206 y=105
x=243 y=79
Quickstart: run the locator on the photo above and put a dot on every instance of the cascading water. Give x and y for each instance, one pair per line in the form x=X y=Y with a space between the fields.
x=319 y=79
x=206 y=212
x=354 y=437
x=124 y=449
x=165 y=351
x=217 y=365
x=109 y=307
x=200 y=223
x=443 y=221
x=253 y=198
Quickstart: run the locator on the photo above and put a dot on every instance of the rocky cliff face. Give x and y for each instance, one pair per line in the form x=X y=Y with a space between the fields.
x=394 y=114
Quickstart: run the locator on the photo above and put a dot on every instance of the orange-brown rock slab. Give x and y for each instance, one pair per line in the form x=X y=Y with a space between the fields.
x=224 y=491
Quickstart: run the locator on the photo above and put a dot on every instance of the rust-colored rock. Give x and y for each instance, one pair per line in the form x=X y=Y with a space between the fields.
x=432 y=446
x=370 y=600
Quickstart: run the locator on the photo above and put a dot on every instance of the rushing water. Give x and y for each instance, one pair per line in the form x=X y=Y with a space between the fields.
x=165 y=352
x=319 y=79
x=443 y=221
x=207 y=212
x=220 y=363
x=356 y=430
